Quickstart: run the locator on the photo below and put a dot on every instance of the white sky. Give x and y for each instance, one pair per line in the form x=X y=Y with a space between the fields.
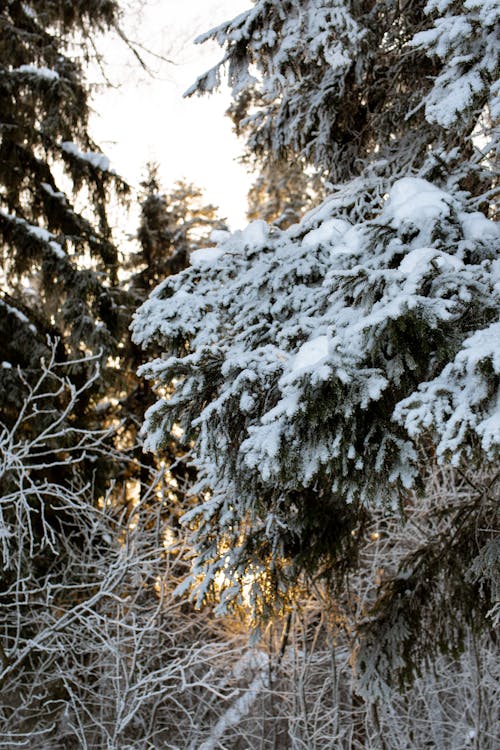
x=147 y=119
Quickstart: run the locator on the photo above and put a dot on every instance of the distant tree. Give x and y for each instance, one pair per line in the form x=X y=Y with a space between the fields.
x=172 y=225
x=282 y=193
x=285 y=186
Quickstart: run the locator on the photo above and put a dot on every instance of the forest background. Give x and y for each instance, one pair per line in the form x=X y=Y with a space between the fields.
x=308 y=555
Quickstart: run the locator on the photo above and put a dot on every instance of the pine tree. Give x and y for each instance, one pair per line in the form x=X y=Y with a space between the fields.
x=336 y=368
x=83 y=614
x=61 y=325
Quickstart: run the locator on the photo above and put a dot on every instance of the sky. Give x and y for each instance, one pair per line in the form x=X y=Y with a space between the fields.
x=146 y=118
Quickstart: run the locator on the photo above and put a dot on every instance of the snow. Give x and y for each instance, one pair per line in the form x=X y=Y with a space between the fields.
x=417 y=201
x=45 y=73
x=247 y=402
x=328 y=232
x=458 y=399
x=311 y=354
x=56 y=247
x=28 y=10
x=20 y=316
x=420 y=259
x=43 y=234
x=351 y=241
x=255 y=234
x=466 y=42
x=219 y=235
x=453 y=99
x=39 y=232
x=445 y=33
x=488 y=10
x=204 y=256
x=477 y=227
x=54 y=193
x=96 y=159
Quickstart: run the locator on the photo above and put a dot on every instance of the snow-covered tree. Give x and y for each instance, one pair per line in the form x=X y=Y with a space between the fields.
x=59 y=262
x=323 y=371
x=173 y=224
x=319 y=370
x=400 y=86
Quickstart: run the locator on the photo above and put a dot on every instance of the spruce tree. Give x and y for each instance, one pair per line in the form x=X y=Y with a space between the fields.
x=173 y=224
x=394 y=87
x=60 y=264
x=83 y=615
x=341 y=367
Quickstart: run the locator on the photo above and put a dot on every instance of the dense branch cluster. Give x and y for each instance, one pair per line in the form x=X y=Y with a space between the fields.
x=324 y=441
x=324 y=356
